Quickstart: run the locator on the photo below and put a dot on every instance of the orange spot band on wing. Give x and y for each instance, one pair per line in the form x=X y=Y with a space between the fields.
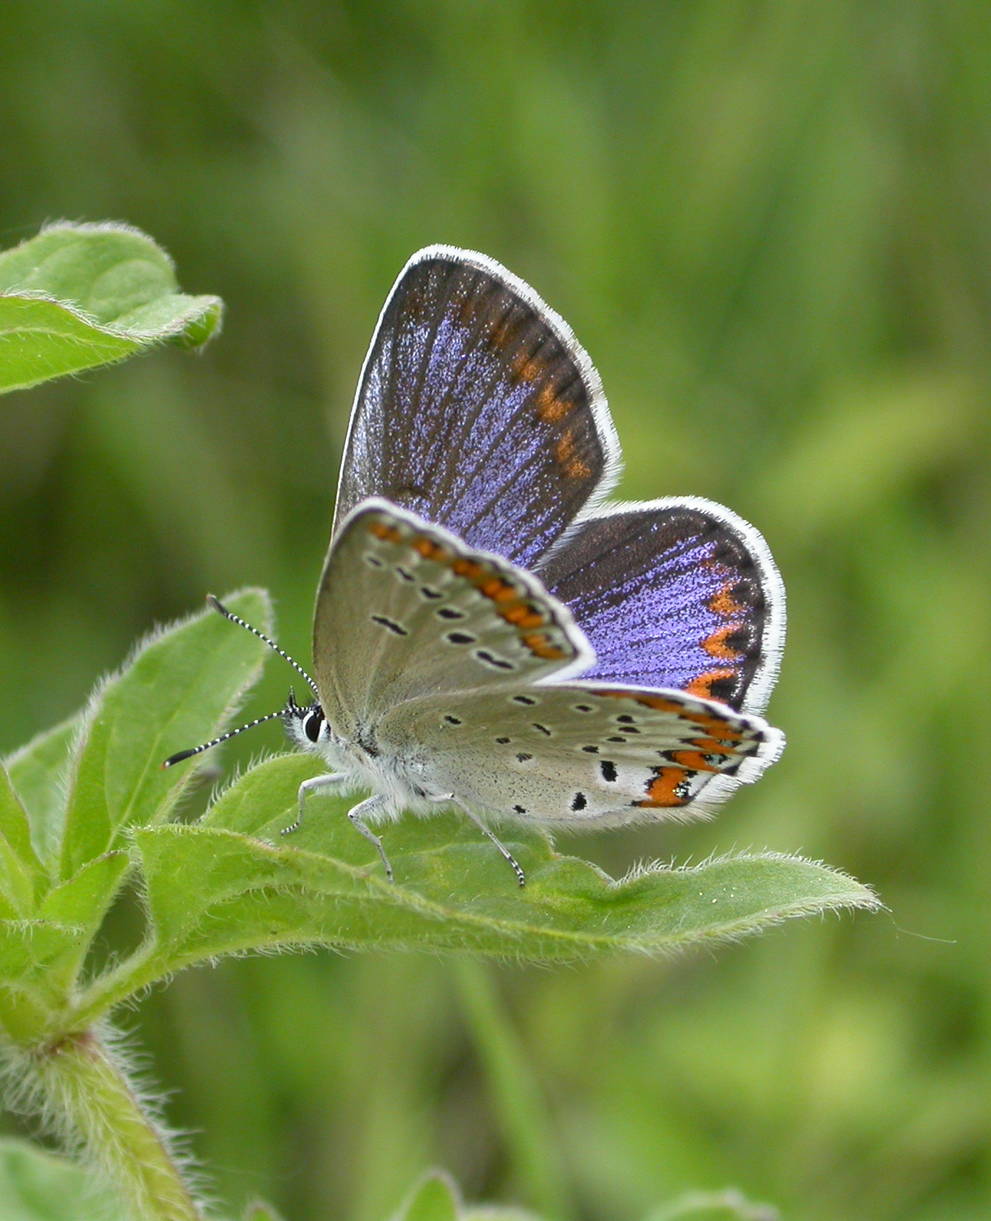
x=723 y=603
x=505 y=593
x=716 y=644
x=470 y=569
x=668 y=788
x=525 y=367
x=694 y=760
x=702 y=686
x=499 y=590
x=657 y=702
x=501 y=336
x=516 y=614
x=549 y=406
x=564 y=446
x=715 y=726
x=540 y=646
x=529 y=619
x=564 y=453
x=712 y=746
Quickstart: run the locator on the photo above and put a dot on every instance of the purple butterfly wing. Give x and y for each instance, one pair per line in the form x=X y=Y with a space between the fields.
x=678 y=593
x=478 y=410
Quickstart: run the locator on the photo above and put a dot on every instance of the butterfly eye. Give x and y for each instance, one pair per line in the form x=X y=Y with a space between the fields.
x=313 y=723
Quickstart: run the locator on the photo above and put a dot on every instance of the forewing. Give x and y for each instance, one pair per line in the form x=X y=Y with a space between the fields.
x=405 y=609
x=675 y=593
x=477 y=409
x=585 y=754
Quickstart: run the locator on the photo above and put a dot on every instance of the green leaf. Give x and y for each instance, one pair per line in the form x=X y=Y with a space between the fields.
x=261 y=1210
x=39 y=1186
x=29 y=947
x=232 y=883
x=20 y=871
x=81 y=902
x=37 y=771
x=496 y=1212
x=78 y=296
x=714 y=1206
x=435 y=1198
x=178 y=690
x=31 y=955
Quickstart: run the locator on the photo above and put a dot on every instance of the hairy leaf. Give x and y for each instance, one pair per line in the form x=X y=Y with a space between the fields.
x=177 y=690
x=37 y=772
x=78 y=296
x=261 y=1210
x=39 y=1186
x=727 y=1205
x=435 y=1198
x=19 y=867
x=232 y=883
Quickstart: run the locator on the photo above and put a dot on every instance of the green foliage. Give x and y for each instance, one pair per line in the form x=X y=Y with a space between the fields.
x=212 y=889
x=231 y=883
x=434 y=1199
x=768 y=225
x=89 y=783
x=79 y=296
x=39 y=1186
x=258 y=1210
x=714 y=1206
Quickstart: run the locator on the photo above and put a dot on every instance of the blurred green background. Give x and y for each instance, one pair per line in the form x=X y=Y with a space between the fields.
x=769 y=225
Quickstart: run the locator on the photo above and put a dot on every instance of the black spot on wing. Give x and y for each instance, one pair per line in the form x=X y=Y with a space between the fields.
x=498 y=663
x=390 y=625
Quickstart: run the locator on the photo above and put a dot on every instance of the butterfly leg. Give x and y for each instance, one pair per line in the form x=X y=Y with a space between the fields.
x=370 y=806
x=315 y=784
x=513 y=862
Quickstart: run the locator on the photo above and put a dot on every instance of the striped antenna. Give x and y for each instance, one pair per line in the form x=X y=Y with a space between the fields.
x=219 y=607
x=290 y=707
x=231 y=733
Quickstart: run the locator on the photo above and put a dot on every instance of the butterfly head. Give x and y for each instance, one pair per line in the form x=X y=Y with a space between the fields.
x=305 y=724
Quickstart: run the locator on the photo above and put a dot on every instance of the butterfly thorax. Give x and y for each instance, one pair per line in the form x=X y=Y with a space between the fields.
x=365 y=761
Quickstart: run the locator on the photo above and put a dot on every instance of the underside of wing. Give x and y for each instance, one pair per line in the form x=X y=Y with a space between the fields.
x=478 y=409
x=675 y=593
x=585 y=755
x=405 y=609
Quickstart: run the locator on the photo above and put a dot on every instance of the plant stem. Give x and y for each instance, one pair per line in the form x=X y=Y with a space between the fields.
x=521 y=1110
x=81 y=1089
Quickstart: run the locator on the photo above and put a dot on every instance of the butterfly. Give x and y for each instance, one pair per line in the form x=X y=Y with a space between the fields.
x=489 y=633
